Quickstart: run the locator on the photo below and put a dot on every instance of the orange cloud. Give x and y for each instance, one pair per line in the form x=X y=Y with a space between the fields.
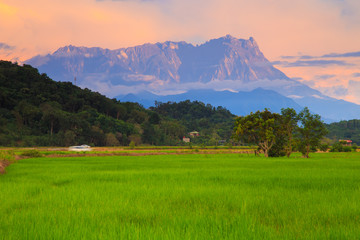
x=281 y=27
x=7 y=10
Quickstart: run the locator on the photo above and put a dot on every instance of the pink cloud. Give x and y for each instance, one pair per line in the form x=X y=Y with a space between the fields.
x=281 y=27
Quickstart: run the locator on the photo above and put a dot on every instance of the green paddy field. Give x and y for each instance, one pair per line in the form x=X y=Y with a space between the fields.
x=188 y=196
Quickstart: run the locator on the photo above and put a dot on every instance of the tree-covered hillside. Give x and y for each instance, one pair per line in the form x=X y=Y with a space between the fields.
x=37 y=111
x=214 y=124
x=345 y=130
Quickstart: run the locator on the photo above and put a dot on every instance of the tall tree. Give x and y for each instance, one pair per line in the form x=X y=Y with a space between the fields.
x=258 y=128
x=51 y=115
x=289 y=122
x=311 y=130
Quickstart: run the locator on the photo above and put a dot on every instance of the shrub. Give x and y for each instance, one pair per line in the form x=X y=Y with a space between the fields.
x=313 y=149
x=354 y=147
x=31 y=153
x=347 y=149
x=336 y=147
x=132 y=145
x=7 y=155
x=324 y=147
x=111 y=140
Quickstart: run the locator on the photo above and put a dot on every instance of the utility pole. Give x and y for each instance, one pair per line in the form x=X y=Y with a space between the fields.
x=75 y=81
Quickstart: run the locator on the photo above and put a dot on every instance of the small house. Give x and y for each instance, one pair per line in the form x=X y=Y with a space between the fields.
x=194 y=134
x=185 y=139
x=346 y=142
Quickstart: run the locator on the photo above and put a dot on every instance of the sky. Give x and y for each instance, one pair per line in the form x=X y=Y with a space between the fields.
x=316 y=42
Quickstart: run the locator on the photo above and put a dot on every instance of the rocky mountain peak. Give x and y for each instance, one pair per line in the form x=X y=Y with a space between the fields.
x=224 y=58
x=68 y=50
x=71 y=51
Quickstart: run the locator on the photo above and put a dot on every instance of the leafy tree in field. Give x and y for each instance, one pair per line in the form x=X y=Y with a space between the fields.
x=289 y=122
x=279 y=147
x=324 y=147
x=276 y=134
x=310 y=131
x=259 y=128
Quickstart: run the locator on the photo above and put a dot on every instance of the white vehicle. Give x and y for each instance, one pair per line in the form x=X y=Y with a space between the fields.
x=81 y=148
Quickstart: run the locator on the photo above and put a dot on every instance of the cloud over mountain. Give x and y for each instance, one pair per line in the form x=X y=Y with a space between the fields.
x=312 y=63
x=4 y=46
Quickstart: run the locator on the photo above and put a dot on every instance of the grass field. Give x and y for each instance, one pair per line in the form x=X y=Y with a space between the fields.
x=218 y=196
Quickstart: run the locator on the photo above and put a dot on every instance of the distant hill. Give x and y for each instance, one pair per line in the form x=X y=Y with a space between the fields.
x=242 y=103
x=239 y=103
x=332 y=109
x=346 y=130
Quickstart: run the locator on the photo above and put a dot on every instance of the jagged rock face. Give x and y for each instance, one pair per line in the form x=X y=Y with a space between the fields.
x=225 y=58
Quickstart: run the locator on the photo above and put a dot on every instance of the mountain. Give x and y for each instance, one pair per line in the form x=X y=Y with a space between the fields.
x=226 y=62
x=239 y=103
x=173 y=68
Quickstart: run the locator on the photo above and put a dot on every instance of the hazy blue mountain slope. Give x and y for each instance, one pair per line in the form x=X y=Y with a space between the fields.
x=331 y=108
x=240 y=103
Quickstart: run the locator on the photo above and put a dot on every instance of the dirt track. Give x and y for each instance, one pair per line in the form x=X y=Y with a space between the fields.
x=3 y=165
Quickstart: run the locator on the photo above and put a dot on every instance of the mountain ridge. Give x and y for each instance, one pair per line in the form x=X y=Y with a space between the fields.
x=223 y=58
x=242 y=103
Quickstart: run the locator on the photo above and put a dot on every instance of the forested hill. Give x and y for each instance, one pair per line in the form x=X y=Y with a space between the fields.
x=213 y=123
x=37 y=111
x=345 y=130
